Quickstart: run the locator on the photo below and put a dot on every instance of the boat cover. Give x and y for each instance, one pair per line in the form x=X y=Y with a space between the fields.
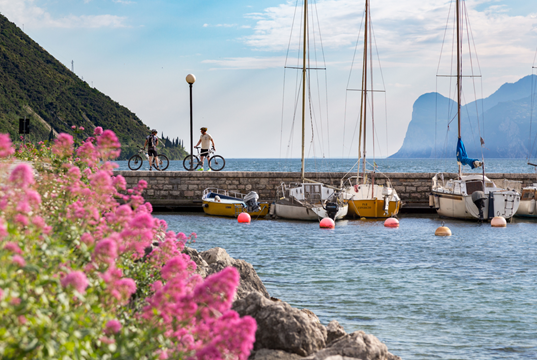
x=462 y=157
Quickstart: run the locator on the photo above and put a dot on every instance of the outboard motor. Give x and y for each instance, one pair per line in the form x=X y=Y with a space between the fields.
x=251 y=201
x=331 y=210
x=479 y=197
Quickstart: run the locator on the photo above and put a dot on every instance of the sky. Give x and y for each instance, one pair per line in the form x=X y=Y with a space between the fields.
x=139 y=52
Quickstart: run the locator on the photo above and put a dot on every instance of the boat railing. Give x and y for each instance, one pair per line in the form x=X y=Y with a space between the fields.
x=357 y=178
x=509 y=184
x=224 y=192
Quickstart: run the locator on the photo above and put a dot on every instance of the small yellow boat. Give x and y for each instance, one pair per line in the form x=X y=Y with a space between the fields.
x=372 y=201
x=229 y=203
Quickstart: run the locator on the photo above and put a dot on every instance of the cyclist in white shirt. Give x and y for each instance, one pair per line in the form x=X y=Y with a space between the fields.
x=205 y=140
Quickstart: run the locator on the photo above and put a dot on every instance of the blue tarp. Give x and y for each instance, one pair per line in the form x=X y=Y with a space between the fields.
x=462 y=157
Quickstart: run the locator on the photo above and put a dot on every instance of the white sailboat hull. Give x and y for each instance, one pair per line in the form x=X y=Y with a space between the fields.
x=528 y=206
x=299 y=212
x=505 y=204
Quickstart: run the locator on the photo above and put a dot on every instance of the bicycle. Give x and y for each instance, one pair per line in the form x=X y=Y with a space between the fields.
x=136 y=161
x=216 y=162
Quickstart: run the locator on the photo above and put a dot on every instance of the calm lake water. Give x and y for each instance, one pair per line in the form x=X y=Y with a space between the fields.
x=344 y=165
x=469 y=296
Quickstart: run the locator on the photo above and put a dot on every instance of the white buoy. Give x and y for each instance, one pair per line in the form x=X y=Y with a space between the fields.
x=498 y=221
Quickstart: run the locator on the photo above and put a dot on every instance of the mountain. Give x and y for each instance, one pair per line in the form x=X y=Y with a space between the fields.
x=505 y=128
x=35 y=85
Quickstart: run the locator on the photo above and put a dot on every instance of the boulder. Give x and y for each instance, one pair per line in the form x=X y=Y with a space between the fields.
x=282 y=327
x=217 y=259
x=334 y=332
x=215 y=255
x=267 y=354
x=357 y=345
x=202 y=265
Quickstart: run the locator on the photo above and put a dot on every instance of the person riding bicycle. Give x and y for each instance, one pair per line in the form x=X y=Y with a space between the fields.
x=205 y=140
x=151 y=142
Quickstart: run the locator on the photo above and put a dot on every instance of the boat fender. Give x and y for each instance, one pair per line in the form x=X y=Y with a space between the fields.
x=205 y=205
x=356 y=188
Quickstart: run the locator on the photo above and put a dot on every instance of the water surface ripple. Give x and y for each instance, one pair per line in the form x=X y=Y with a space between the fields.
x=469 y=296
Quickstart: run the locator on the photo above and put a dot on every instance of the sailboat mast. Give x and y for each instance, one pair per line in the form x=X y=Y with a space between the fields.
x=364 y=89
x=459 y=79
x=304 y=84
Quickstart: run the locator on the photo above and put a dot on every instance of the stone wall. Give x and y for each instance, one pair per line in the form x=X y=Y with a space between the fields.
x=184 y=189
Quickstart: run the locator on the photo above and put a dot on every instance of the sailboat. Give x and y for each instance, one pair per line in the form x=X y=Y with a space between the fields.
x=308 y=200
x=367 y=199
x=528 y=198
x=469 y=196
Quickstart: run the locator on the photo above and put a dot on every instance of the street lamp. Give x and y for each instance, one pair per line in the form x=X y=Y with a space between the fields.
x=191 y=79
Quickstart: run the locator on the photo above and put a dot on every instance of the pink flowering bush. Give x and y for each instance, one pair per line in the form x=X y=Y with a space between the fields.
x=81 y=276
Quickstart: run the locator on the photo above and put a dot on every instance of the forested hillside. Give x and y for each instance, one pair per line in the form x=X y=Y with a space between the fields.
x=34 y=84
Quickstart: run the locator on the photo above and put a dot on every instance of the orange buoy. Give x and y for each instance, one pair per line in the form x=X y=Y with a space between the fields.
x=443 y=231
x=498 y=221
x=327 y=223
x=391 y=222
x=244 y=218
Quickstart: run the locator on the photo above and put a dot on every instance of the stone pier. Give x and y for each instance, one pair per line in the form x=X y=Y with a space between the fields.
x=182 y=189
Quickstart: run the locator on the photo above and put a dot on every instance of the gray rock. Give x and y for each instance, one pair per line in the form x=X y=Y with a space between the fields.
x=310 y=314
x=218 y=259
x=357 y=345
x=215 y=255
x=267 y=354
x=202 y=265
x=282 y=327
x=334 y=332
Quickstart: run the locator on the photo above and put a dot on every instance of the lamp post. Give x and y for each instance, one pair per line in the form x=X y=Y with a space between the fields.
x=191 y=79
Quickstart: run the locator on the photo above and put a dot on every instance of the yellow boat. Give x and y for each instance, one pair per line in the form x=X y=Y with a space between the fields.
x=229 y=203
x=370 y=201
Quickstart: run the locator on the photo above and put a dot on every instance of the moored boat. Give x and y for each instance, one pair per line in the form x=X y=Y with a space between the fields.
x=229 y=203
x=365 y=198
x=527 y=206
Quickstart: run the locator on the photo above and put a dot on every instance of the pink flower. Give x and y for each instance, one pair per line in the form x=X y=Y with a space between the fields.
x=22 y=176
x=21 y=219
x=142 y=221
x=1 y=293
x=81 y=128
x=18 y=260
x=119 y=182
x=76 y=279
x=87 y=239
x=73 y=127
x=13 y=247
x=98 y=131
x=123 y=289
x=22 y=319
x=112 y=327
x=108 y=145
x=6 y=147
x=3 y=229
x=63 y=145
x=105 y=251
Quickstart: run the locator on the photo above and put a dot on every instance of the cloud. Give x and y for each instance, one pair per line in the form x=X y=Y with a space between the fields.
x=125 y=2
x=247 y=63
x=403 y=29
x=26 y=12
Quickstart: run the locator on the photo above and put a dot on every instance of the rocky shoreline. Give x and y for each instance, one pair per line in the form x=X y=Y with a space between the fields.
x=285 y=332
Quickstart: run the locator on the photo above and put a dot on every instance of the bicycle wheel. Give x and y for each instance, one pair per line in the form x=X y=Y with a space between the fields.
x=163 y=162
x=217 y=163
x=191 y=162
x=135 y=162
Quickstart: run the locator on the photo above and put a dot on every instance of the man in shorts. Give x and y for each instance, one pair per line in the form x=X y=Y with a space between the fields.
x=205 y=140
x=151 y=142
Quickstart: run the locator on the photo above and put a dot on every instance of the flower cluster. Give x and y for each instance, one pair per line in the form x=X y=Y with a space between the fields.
x=82 y=276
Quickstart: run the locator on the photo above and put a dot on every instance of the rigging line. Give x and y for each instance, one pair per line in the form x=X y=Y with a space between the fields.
x=532 y=102
x=480 y=72
x=320 y=117
x=383 y=85
x=284 y=77
x=325 y=79
x=348 y=83
x=372 y=85
x=468 y=115
x=444 y=39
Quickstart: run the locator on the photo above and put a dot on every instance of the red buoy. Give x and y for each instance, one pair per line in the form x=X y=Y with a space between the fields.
x=244 y=218
x=391 y=222
x=327 y=223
